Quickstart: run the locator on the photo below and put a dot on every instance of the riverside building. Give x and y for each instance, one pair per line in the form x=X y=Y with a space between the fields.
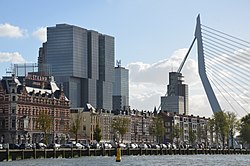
x=193 y=129
x=22 y=99
x=83 y=61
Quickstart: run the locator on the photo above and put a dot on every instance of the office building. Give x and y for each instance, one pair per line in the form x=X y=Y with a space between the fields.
x=82 y=61
x=177 y=95
x=121 y=88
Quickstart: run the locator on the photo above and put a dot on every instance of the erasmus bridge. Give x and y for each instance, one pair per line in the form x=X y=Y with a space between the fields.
x=224 y=69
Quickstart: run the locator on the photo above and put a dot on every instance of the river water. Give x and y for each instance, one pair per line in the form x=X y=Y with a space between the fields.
x=189 y=160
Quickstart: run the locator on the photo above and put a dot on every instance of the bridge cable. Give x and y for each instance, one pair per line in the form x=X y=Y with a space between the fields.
x=226 y=34
x=218 y=71
x=211 y=79
x=214 y=80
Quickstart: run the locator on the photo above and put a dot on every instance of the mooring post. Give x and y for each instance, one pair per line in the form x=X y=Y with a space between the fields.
x=7 y=153
x=45 y=153
x=34 y=152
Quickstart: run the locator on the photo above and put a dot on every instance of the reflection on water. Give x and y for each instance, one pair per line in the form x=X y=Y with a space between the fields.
x=190 y=160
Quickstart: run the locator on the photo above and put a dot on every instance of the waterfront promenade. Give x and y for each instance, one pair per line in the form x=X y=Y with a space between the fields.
x=10 y=155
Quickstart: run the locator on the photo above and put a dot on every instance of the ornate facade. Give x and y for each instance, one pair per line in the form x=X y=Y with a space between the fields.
x=22 y=99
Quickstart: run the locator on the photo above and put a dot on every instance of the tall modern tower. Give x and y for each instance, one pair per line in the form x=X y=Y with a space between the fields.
x=177 y=95
x=121 y=88
x=106 y=70
x=81 y=60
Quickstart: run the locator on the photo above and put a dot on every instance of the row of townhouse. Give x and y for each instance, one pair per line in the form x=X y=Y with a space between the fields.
x=22 y=99
x=138 y=128
x=187 y=125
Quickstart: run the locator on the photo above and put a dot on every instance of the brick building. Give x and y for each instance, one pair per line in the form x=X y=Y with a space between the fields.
x=187 y=124
x=22 y=99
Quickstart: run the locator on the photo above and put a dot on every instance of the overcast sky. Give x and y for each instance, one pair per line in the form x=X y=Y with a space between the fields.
x=151 y=37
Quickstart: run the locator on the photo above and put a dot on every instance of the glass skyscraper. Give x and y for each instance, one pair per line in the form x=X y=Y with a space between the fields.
x=121 y=88
x=83 y=62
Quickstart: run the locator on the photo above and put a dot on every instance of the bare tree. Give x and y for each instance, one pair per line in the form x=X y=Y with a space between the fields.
x=44 y=122
x=157 y=128
x=75 y=125
x=121 y=126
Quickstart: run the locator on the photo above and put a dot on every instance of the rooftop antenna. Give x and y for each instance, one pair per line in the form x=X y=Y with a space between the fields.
x=118 y=63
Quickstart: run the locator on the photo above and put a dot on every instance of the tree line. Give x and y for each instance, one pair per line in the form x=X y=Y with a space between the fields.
x=223 y=126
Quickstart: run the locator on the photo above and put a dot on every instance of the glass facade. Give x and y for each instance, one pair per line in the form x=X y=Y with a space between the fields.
x=80 y=59
x=106 y=70
x=177 y=94
x=120 y=88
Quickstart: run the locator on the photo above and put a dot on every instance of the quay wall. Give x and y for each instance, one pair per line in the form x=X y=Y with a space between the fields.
x=9 y=154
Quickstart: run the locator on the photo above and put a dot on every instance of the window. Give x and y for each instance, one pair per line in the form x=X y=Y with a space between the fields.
x=168 y=130
x=13 y=98
x=13 y=123
x=1 y=124
x=167 y=123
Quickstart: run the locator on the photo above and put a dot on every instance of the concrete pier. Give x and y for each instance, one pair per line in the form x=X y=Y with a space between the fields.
x=9 y=154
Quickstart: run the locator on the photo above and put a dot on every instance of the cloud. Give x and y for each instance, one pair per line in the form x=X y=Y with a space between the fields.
x=13 y=57
x=8 y=30
x=40 y=34
x=145 y=95
x=158 y=72
x=148 y=82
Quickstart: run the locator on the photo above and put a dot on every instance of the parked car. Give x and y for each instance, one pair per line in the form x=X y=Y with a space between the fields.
x=86 y=146
x=168 y=145
x=143 y=146
x=13 y=146
x=78 y=146
x=163 y=146
x=107 y=145
x=25 y=146
x=73 y=144
x=173 y=146
x=133 y=146
x=54 y=145
x=39 y=145
x=95 y=146
x=155 y=146
x=122 y=145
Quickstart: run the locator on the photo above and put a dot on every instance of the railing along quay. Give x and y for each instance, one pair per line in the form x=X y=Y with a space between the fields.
x=10 y=154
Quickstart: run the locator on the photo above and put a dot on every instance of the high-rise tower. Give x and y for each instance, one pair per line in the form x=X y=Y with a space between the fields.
x=80 y=59
x=177 y=95
x=121 y=88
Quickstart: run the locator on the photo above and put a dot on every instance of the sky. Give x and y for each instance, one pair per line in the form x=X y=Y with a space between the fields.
x=151 y=37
